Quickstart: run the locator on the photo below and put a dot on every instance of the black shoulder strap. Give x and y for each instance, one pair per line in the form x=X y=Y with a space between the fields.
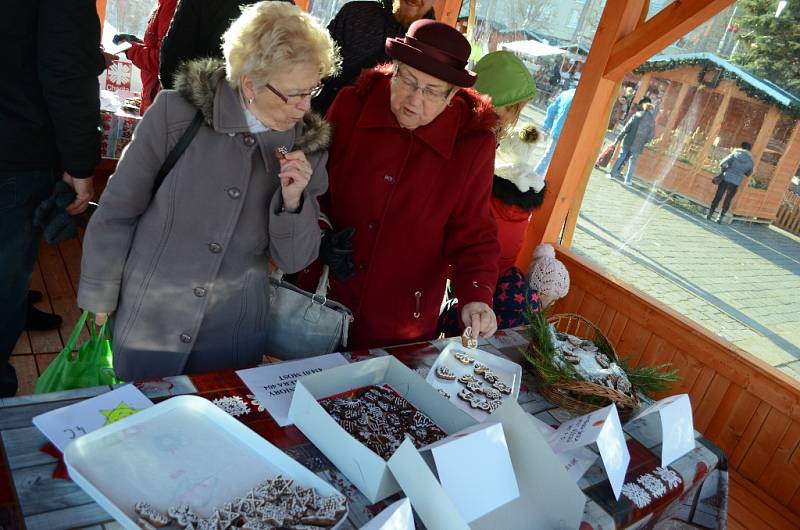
x=177 y=151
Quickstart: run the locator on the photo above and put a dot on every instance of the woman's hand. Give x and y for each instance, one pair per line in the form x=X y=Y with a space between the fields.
x=480 y=317
x=295 y=174
x=100 y=318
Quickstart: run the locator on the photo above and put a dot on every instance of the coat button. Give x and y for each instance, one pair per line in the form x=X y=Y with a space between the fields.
x=234 y=193
x=371 y=225
x=388 y=179
x=215 y=248
x=199 y=292
x=249 y=141
x=362 y=267
x=186 y=338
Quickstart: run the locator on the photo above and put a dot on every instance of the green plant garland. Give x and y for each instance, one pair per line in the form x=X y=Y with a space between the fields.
x=648 y=379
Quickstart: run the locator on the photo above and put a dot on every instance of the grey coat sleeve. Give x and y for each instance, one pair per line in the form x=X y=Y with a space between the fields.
x=294 y=238
x=110 y=232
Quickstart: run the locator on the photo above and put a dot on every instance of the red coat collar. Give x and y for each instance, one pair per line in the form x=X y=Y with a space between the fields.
x=440 y=135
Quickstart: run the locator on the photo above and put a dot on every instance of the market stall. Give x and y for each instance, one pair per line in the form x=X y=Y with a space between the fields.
x=683 y=490
x=707 y=106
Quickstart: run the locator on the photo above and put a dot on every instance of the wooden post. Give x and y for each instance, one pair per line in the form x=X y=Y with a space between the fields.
x=447 y=11
x=759 y=145
x=471 y=18
x=302 y=4
x=716 y=125
x=641 y=90
x=100 y=6
x=584 y=128
x=673 y=117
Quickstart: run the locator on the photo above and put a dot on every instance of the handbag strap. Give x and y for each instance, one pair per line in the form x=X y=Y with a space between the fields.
x=320 y=296
x=69 y=346
x=176 y=152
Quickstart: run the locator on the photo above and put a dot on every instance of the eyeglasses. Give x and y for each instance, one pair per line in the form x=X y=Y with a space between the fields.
x=296 y=98
x=431 y=95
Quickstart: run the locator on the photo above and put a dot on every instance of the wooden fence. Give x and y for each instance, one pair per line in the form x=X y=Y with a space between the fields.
x=788 y=216
x=748 y=408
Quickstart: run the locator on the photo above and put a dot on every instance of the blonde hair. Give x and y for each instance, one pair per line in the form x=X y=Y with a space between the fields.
x=515 y=111
x=269 y=36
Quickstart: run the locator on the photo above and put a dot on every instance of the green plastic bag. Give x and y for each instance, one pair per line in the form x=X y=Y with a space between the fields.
x=89 y=366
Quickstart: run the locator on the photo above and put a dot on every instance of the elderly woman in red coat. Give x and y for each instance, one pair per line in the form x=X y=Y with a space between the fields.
x=410 y=169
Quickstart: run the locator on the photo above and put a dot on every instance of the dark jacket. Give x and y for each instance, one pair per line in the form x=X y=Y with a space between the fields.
x=360 y=29
x=736 y=166
x=185 y=271
x=418 y=204
x=49 y=97
x=196 y=32
x=638 y=131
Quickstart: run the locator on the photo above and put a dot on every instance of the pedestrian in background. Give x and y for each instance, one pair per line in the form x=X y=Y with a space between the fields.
x=634 y=136
x=553 y=123
x=735 y=167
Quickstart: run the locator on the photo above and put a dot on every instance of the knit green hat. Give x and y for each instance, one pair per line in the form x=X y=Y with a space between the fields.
x=503 y=77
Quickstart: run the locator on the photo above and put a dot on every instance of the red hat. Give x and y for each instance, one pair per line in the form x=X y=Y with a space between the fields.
x=436 y=49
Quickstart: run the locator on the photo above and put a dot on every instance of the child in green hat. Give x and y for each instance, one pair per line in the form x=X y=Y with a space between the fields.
x=516 y=190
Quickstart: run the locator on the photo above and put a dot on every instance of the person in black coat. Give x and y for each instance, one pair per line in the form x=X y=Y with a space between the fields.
x=360 y=29
x=49 y=130
x=196 y=33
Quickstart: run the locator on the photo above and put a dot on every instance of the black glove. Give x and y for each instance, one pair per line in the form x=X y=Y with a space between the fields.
x=125 y=37
x=336 y=251
x=56 y=224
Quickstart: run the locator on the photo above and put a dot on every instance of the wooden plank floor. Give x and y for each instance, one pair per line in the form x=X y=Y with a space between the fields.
x=56 y=276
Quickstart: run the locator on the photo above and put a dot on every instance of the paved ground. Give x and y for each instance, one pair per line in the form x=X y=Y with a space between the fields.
x=740 y=281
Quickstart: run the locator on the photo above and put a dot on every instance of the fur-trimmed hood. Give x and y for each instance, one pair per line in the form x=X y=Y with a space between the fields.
x=199 y=81
x=480 y=118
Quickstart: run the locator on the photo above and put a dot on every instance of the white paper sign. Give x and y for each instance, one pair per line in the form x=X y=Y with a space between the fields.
x=456 y=458
x=677 y=426
x=576 y=461
x=603 y=428
x=396 y=516
x=62 y=426
x=273 y=384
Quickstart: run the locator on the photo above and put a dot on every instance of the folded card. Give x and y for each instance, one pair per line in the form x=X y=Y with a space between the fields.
x=677 y=426
x=601 y=427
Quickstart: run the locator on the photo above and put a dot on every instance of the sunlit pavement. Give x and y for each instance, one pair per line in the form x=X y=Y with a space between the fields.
x=740 y=281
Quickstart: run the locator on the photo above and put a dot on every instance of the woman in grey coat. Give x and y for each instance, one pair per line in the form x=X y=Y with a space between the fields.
x=183 y=269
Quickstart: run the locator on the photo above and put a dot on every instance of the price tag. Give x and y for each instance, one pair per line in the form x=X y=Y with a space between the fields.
x=63 y=426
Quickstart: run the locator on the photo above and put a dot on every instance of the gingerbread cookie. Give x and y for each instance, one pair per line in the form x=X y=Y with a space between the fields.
x=443 y=372
x=602 y=360
x=280 y=152
x=151 y=515
x=463 y=358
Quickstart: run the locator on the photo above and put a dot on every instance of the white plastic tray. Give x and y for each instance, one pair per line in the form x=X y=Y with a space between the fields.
x=183 y=450
x=509 y=372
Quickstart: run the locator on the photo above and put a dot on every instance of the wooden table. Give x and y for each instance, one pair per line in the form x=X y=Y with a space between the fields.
x=693 y=489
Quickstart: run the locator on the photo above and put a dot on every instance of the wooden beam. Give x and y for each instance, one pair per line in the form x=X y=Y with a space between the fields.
x=672 y=120
x=447 y=11
x=664 y=28
x=584 y=128
x=713 y=130
x=100 y=6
